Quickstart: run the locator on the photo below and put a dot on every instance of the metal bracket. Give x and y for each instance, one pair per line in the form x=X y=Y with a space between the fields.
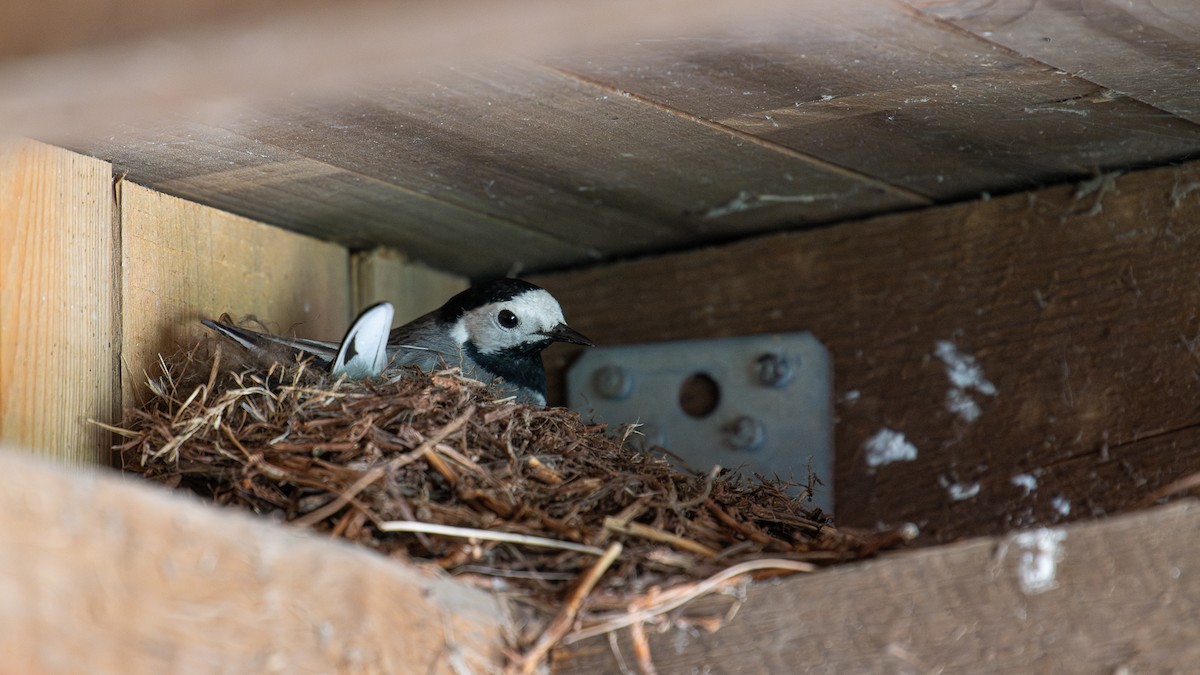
x=764 y=402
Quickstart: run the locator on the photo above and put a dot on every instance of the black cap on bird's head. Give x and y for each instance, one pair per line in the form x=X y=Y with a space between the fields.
x=482 y=294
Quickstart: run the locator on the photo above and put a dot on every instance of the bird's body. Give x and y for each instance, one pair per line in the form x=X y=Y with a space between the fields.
x=495 y=332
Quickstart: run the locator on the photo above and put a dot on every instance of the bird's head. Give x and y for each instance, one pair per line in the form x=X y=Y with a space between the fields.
x=508 y=315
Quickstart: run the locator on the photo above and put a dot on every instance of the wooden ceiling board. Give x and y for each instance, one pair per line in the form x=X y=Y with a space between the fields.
x=256 y=180
x=895 y=95
x=1148 y=50
x=669 y=135
x=558 y=171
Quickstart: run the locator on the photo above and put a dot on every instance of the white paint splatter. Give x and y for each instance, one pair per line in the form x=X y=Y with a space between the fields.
x=962 y=369
x=851 y=396
x=889 y=446
x=961 y=404
x=1027 y=481
x=1061 y=504
x=965 y=375
x=1039 y=552
x=961 y=491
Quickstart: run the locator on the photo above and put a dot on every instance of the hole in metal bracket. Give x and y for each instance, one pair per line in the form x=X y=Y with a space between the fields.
x=699 y=395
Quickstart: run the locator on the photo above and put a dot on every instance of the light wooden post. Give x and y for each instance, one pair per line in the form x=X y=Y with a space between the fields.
x=183 y=262
x=386 y=274
x=59 y=302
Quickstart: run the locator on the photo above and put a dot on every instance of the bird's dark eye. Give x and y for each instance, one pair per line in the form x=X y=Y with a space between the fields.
x=508 y=319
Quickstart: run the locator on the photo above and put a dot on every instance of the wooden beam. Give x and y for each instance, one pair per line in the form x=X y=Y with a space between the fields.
x=412 y=288
x=183 y=262
x=559 y=172
x=1144 y=50
x=897 y=95
x=1106 y=597
x=1076 y=304
x=59 y=302
x=106 y=575
x=80 y=66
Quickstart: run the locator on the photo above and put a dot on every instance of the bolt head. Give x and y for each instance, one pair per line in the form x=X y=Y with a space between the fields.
x=773 y=370
x=612 y=382
x=745 y=434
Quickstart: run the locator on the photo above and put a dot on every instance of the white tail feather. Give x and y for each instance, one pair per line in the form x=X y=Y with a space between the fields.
x=363 y=352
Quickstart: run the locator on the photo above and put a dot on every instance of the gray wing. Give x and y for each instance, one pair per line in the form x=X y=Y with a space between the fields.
x=425 y=343
x=276 y=347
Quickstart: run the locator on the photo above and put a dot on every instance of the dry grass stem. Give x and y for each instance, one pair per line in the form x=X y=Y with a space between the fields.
x=432 y=467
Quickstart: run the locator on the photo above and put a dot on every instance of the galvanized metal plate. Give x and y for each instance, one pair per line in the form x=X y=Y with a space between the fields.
x=772 y=412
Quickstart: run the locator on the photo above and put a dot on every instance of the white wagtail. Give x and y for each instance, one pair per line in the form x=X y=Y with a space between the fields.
x=495 y=332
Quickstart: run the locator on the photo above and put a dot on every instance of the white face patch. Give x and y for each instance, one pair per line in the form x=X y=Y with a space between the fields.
x=536 y=310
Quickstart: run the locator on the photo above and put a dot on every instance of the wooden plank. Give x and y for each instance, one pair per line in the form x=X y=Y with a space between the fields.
x=183 y=262
x=1106 y=597
x=558 y=173
x=412 y=288
x=59 y=302
x=62 y=70
x=232 y=172
x=1072 y=301
x=889 y=93
x=106 y=575
x=1147 y=50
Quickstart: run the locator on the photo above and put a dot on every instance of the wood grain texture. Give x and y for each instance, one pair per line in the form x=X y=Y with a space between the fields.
x=413 y=289
x=1078 y=304
x=59 y=302
x=1147 y=50
x=105 y=575
x=889 y=93
x=83 y=66
x=556 y=172
x=1123 y=598
x=183 y=262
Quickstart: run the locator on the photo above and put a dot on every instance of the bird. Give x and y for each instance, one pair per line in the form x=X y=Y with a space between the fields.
x=494 y=331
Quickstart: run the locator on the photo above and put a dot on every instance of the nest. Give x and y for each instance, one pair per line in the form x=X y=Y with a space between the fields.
x=579 y=527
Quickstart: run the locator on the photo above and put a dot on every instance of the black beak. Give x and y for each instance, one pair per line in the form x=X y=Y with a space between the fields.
x=564 y=333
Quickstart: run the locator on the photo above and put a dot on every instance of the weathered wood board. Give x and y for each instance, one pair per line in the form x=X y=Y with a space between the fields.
x=182 y=262
x=1147 y=50
x=631 y=136
x=1077 y=305
x=1117 y=596
x=102 y=575
x=59 y=302
x=895 y=95
x=557 y=172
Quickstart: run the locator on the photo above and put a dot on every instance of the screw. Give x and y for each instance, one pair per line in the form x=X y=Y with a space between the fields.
x=612 y=382
x=745 y=434
x=773 y=370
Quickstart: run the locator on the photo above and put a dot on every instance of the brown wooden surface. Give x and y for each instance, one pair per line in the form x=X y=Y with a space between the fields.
x=557 y=172
x=485 y=141
x=109 y=575
x=1078 y=303
x=1147 y=50
x=183 y=262
x=59 y=302
x=892 y=94
x=1124 y=599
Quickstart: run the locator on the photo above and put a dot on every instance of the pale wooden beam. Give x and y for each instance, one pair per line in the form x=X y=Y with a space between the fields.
x=59 y=302
x=103 y=575
x=183 y=262
x=386 y=274
x=1117 y=596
